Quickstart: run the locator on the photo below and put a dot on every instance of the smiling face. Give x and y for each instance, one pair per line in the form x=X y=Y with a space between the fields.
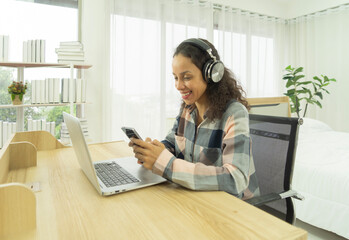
x=189 y=81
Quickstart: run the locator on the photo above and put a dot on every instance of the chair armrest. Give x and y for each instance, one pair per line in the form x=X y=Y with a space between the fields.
x=261 y=200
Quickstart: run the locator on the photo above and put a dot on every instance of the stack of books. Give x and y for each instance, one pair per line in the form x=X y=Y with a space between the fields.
x=70 y=52
x=65 y=138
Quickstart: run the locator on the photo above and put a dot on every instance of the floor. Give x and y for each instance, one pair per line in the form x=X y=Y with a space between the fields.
x=315 y=233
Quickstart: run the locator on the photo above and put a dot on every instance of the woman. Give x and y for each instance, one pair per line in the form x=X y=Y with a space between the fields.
x=209 y=146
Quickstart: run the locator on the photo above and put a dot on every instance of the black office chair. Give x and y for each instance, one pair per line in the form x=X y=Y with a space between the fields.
x=274 y=141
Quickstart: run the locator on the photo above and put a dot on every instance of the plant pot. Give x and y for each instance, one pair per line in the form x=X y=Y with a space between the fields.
x=16 y=100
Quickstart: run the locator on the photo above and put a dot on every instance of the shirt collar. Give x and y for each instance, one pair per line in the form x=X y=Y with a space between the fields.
x=192 y=109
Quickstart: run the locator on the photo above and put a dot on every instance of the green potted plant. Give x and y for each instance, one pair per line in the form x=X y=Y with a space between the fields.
x=299 y=90
x=17 y=90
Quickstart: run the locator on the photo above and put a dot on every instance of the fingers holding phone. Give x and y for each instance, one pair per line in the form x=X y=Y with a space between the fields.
x=145 y=151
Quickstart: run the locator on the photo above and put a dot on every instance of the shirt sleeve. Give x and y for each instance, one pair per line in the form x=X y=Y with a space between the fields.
x=232 y=176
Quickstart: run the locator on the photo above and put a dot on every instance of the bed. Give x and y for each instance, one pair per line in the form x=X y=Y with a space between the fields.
x=321 y=171
x=321 y=175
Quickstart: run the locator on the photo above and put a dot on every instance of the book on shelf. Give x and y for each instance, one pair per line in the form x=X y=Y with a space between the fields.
x=38 y=91
x=33 y=50
x=14 y=126
x=42 y=91
x=48 y=127
x=47 y=91
x=72 y=94
x=70 y=62
x=6 y=131
x=35 y=125
x=56 y=89
x=78 y=90
x=29 y=51
x=43 y=125
x=71 y=57
x=33 y=91
x=53 y=128
x=70 y=44
x=25 y=52
x=1 y=48
x=9 y=129
x=37 y=51
x=43 y=50
x=65 y=90
x=70 y=51
x=30 y=124
x=4 y=46
x=50 y=90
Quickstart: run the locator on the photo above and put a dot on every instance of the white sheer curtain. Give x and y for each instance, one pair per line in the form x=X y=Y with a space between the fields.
x=143 y=35
x=319 y=43
x=252 y=46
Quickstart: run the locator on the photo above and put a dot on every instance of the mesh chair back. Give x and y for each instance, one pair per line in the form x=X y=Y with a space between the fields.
x=273 y=148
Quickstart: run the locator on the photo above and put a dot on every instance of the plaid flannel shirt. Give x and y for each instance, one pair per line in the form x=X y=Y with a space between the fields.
x=216 y=155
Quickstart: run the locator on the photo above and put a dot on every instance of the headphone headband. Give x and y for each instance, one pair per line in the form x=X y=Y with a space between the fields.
x=213 y=69
x=202 y=45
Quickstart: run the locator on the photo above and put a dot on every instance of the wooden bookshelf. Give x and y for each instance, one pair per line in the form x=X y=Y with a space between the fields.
x=40 y=105
x=37 y=65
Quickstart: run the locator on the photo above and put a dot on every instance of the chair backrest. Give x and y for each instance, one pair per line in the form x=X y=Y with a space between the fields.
x=272 y=106
x=274 y=141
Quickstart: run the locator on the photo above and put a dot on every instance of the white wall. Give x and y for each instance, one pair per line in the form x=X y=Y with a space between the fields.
x=296 y=8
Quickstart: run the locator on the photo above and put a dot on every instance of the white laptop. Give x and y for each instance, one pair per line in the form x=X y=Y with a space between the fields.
x=111 y=176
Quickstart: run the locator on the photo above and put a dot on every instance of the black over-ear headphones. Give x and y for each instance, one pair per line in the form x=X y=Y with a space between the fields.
x=213 y=69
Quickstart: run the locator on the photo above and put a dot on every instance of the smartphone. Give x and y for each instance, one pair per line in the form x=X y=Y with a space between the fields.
x=131 y=133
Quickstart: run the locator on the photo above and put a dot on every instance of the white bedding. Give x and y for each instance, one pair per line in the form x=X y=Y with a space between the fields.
x=321 y=175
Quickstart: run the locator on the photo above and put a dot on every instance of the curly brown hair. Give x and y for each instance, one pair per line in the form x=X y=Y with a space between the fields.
x=220 y=93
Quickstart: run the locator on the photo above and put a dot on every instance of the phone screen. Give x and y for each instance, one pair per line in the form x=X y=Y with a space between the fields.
x=131 y=133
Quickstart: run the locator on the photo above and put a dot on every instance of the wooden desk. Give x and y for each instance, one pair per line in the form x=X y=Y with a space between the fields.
x=68 y=207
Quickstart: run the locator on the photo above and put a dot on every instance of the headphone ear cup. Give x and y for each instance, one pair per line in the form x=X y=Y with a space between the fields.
x=216 y=71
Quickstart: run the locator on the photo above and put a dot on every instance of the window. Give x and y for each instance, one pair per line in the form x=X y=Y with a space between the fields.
x=233 y=49
x=262 y=64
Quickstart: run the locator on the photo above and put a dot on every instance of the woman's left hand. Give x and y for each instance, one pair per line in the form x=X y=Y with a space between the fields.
x=147 y=151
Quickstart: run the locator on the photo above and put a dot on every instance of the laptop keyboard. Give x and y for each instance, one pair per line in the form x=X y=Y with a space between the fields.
x=112 y=174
